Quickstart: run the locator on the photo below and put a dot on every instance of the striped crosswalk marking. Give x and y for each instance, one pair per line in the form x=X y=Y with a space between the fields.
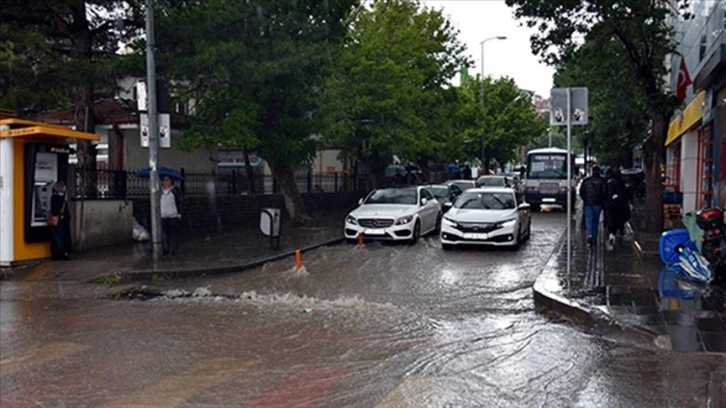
x=175 y=390
x=38 y=356
x=417 y=391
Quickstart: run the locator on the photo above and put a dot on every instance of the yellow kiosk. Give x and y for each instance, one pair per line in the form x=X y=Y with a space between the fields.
x=33 y=156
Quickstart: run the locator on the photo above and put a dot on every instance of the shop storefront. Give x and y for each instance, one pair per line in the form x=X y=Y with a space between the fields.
x=686 y=154
x=711 y=78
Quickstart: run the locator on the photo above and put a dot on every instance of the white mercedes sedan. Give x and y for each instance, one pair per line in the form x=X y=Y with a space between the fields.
x=398 y=214
x=487 y=216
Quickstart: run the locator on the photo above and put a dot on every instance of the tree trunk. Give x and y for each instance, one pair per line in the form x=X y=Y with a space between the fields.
x=84 y=120
x=293 y=200
x=654 y=153
x=83 y=96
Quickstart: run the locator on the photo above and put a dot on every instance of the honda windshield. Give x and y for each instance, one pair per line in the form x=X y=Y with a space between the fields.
x=485 y=201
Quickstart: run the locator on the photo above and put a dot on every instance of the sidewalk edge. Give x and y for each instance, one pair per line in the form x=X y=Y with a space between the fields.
x=138 y=275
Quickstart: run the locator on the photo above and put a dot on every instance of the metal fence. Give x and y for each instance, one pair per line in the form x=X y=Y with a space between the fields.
x=121 y=184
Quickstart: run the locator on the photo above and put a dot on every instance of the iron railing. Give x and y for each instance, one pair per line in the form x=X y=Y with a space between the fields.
x=122 y=184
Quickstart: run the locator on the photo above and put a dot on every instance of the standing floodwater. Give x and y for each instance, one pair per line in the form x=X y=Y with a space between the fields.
x=385 y=325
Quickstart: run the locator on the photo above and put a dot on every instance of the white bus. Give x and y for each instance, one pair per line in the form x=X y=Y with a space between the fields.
x=545 y=181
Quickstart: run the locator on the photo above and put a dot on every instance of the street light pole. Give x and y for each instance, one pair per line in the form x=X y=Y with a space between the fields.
x=481 y=89
x=481 y=86
x=154 y=190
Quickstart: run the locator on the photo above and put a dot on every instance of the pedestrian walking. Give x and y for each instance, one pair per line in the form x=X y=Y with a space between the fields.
x=172 y=208
x=593 y=192
x=617 y=207
x=466 y=173
x=61 y=245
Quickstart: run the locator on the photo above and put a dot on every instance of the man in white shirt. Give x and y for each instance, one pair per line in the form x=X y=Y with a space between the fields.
x=171 y=214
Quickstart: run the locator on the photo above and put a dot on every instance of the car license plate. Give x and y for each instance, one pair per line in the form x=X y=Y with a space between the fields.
x=374 y=232
x=548 y=200
x=475 y=236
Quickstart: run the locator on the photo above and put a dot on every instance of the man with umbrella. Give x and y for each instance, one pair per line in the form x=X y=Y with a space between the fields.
x=172 y=208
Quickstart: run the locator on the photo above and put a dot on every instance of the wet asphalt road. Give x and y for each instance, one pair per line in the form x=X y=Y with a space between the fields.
x=386 y=325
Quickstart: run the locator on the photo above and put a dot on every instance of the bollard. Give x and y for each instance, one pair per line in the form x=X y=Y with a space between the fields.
x=298 y=260
x=360 y=240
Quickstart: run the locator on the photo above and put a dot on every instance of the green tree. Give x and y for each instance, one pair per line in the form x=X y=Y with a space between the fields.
x=641 y=28
x=505 y=121
x=256 y=70
x=390 y=93
x=55 y=54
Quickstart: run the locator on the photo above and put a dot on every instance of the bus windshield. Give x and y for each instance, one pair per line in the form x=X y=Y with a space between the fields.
x=547 y=166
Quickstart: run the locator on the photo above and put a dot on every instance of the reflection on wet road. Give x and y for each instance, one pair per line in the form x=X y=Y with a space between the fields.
x=381 y=326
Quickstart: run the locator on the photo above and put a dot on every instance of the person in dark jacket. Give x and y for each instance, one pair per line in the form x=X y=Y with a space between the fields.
x=61 y=245
x=617 y=206
x=172 y=208
x=593 y=192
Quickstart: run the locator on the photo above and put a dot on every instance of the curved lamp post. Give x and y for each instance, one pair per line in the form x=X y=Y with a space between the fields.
x=481 y=84
x=481 y=44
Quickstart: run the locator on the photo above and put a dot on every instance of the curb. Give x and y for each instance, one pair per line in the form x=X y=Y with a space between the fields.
x=150 y=274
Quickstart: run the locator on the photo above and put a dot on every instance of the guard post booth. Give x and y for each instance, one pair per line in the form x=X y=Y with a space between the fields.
x=33 y=156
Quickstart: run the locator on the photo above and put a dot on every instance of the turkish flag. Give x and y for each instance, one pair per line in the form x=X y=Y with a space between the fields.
x=684 y=80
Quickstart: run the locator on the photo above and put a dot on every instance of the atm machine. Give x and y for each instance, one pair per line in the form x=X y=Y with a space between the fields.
x=45 y=164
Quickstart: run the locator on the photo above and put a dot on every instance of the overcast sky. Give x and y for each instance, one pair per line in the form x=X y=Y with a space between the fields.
x=481 y=19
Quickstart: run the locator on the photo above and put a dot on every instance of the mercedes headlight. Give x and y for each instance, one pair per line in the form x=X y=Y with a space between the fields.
x=404 y=220
x=351 y=220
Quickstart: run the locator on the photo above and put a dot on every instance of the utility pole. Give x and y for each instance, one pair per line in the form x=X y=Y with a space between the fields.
x=156 y=238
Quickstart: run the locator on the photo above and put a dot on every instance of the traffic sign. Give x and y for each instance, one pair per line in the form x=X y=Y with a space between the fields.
x=164 y=130
x=572 y=100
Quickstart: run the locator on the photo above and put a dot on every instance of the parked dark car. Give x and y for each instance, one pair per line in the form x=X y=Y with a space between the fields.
x=494 y=181
x=445 y=194
x=463 y=184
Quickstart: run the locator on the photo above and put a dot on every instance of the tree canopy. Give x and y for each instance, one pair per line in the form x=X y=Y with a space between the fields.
x=255 y=69
x=390 y=93
x=59 y=54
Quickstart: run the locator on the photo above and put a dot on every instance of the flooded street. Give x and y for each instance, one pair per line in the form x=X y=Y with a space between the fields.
x=386 y=325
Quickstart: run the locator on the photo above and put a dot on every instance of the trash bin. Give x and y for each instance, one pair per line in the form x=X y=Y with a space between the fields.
x=270 y=225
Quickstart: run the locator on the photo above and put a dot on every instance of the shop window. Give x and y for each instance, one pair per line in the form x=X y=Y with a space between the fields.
x=673 y=169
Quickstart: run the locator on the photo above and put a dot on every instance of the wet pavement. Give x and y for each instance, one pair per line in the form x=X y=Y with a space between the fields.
x=617 y=287
x=386 y=325
x=220 y=251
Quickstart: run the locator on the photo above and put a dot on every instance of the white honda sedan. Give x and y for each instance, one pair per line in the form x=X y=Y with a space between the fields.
x=400 y=214
x=487 y=216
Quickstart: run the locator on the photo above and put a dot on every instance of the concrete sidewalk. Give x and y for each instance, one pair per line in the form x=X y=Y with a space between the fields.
x=619 y=287
x=220 y=251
